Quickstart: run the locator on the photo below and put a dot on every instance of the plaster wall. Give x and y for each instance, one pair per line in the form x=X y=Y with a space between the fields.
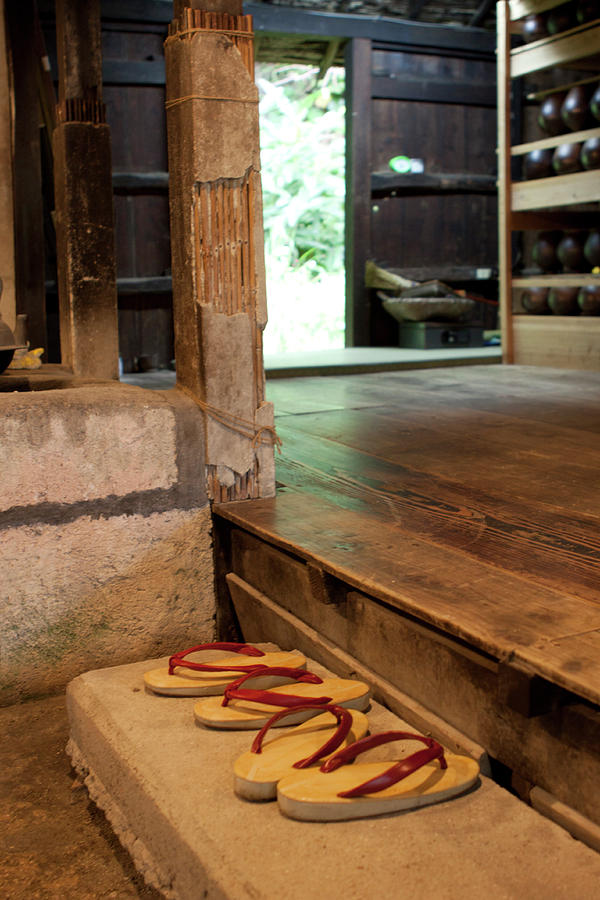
x=105 y=532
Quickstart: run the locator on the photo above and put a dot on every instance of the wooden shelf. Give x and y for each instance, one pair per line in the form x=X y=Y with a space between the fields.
x=559 y=202
x=151 y=284
x=558 y=190
x=554 y=220
x=571 y=342
x=447 y=273
x=544 y=279
x=451 y=183
x=573 y=137
x=140 y=182
x=521 y=8
x=539 y=95
x=556 y=50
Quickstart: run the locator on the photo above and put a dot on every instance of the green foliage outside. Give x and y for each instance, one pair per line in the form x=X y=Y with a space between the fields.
x=302 y=157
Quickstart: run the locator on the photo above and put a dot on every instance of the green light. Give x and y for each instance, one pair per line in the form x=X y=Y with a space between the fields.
x=400 y=164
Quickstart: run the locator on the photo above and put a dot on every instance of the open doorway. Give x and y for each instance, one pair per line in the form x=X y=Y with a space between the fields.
x=303 y=179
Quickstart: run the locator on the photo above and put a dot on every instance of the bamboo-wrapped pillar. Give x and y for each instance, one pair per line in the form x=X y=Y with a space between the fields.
x=217 y=242
x=87 y=285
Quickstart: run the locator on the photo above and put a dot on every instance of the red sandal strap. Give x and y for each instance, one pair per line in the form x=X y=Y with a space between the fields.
x=397 y=771
x=234 y=691
x=344 y=720
x=178 y=659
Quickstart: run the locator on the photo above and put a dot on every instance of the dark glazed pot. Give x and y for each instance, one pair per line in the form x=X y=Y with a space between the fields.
x=570 y=252
x=588 y=300
x=544 y=251
x=591 y=248
x=534 y=28
x=590 y=154
x=566 y=159
x=575 y=111
x=549 y=117
x=535 y=301
x=563 y=301
x=538 y=164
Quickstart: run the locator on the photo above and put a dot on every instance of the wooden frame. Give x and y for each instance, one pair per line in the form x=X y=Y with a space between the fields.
x=543 y=203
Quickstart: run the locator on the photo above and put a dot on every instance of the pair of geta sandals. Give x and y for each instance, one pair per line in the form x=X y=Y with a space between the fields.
x=308 y=767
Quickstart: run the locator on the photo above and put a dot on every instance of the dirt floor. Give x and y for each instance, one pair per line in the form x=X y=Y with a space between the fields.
x=54 y=842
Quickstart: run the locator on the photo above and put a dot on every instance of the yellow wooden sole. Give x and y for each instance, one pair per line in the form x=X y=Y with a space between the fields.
x=249 y=714
x=311 y=795
x=256 y=774
x=191 y=683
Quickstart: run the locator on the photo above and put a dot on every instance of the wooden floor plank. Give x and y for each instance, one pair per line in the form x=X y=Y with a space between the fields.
x=501 y=614
x=469 y=498
x=540 y=463
x=548 y=546
x=570 y=400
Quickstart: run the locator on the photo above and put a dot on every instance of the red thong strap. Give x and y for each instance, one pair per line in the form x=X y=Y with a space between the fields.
x=344 y=720
x=397 y=771
x=234 y=691
x=178 y=659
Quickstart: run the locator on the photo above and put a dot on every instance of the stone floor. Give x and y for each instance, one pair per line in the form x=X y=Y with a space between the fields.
x=54 y=842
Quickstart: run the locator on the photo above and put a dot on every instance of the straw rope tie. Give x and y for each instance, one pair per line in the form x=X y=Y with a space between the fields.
x=178 y=100
x=229 y=32
x=238 y=424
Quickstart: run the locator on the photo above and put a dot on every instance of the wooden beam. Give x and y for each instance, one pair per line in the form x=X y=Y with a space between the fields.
x=303 y=23
x=524 y=691
x=217 y=246
x=78 y=50
x=466 y=93
x=7 y=211
x=140 y=182
x=156 y=284
x=452 y=183
x=83 y=195
x=26 y=169
x=287 y=20
x=358 y=189
x=504 y=180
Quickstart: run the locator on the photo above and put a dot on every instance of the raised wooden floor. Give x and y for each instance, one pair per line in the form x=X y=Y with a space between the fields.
x=443 y=527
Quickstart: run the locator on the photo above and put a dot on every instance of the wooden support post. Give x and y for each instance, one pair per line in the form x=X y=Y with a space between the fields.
x=8 y=309
x=358 y=189
x=217 y=244
x=29 y=288
x=87 y=283
x=504 y=179
x=524 y=691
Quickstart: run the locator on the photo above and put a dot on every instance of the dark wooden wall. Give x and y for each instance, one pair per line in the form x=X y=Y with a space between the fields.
x=417 y=90
x=134 y=94
x=437 y=105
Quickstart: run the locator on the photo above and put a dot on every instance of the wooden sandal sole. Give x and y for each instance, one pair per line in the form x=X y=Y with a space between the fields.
x=256 y=774
x=311 y=795
x=191 y=683
x=248 y=714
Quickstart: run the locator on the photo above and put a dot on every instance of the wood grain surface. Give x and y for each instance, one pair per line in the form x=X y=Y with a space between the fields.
x=467 y=498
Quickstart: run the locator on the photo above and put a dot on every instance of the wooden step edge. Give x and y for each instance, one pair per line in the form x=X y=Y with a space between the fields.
x=577 y=825
x=330 y=655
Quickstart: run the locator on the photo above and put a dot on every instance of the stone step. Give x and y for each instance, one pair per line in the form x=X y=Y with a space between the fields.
x=166 y=786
